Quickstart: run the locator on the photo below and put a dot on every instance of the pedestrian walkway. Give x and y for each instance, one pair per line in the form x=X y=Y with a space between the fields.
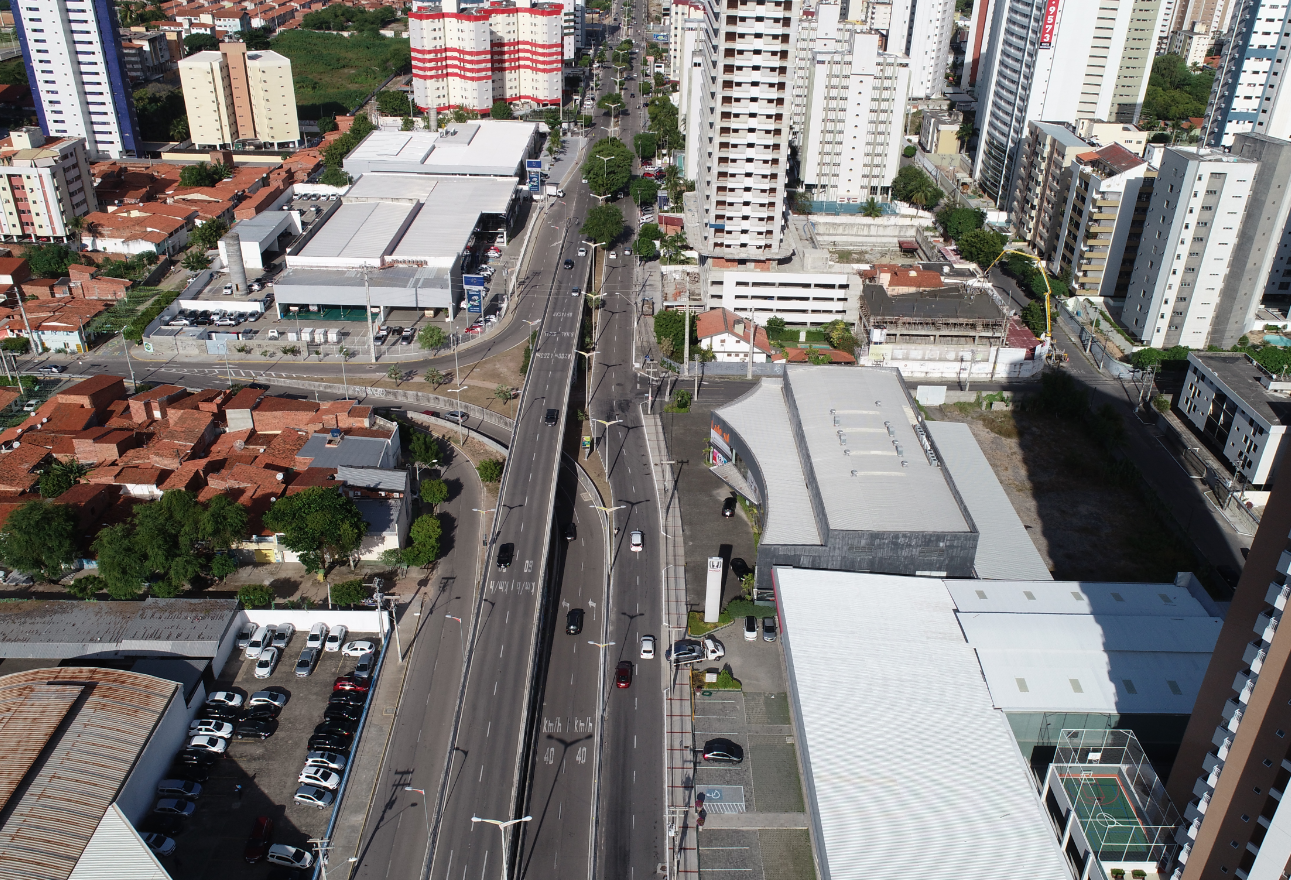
x=679 y=737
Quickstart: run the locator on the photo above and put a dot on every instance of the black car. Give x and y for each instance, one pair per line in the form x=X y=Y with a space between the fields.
x=550 y=418
x=347 y=698
x=728 y=507
x=739 y=567
x=198 y=758
x=569 y=264
x=191 y=772
x=342 y=713
x=260 y=728
x=687 y=652
x=723 y=751
x=574 y=621
x=571 y=532
x=167 y=825
x=768 y=629
x=334 y=727
x=506 y=553
x=263 y=712
x=220 y=713
x=322 y=742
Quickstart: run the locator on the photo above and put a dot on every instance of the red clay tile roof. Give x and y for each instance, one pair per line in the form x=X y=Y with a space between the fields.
x=718 y=321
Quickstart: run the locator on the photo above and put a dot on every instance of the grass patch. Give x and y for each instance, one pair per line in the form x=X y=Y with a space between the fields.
x=333 y=73
x=1001 y=423
x=734 y=610
x=725 y=681
x=121 y=313
x=162 y=298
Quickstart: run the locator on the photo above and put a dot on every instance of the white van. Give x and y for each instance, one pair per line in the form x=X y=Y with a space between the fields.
x=273 y=334
x=260 y=640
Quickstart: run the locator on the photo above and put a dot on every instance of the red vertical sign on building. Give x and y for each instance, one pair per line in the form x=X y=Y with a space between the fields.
x=1050 y=22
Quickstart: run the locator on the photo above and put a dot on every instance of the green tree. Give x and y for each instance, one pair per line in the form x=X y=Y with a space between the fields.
x=86 y=587
x=1033 y=316
x=61 y=476
x=255 y=595
x=1175 y=92
x=50 y=260
x=501 y=110
x=425 y=449
x=223 y=565
x=775 y=326
x=909 y=152
x=257 y=39
x=195 y=261
x=644 y=190
x=431 y=337
x=817 y=357
x=434 y=491
x=645 y=248
x=393 y=103
x=203 y=174
x=673 y=248
x=179 y=128
x=646 y=144
x=671 y=325
x=194 y=43
x=608 y=167
x=334 y=175
x=981 y=246
x=434 y=376
x=122 y=569
x=208 y=235
x=350 y=592
x=958 y=221
x=327 y=124
x=39 y=539
x=16 y=344
x=394 y=374
x=914 y=186
x=490 y=470
x=645 y=88
x=318 y=522
x=604 y=224
x=223 y=523
x=872 y=208
x=840 y=336
x=424 y=535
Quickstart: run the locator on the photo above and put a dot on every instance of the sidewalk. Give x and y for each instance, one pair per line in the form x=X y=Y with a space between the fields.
x=679 y=737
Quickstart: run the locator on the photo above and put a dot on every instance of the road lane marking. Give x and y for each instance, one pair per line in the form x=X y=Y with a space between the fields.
x=488 y=730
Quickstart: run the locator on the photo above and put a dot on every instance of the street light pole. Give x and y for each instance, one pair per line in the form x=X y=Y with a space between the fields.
x=461 y=432
x=367 y=295
x=502 y=828
x=461 y=633
x=587 y=384
x=426 y=810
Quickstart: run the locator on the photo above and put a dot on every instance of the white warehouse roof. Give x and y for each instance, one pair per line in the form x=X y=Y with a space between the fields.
x=912 y=772
x=485 y=146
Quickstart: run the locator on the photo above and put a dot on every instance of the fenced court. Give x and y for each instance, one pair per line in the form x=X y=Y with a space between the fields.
x=1105 y=811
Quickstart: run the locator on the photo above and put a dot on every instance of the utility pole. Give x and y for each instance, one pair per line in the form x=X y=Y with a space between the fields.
x=753 y=335
x=321 y=846
x=685 y=359
x=372 y=336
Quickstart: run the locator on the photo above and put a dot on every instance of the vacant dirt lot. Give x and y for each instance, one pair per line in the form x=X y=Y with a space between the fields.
x=1088 y=519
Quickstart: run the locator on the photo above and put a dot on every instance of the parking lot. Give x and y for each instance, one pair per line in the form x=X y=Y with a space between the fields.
x=259 y=778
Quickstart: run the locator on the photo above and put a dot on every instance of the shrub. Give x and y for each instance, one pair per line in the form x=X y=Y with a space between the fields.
x=87 y=587
x=134 y=330
x=255 y=595
x=350 y=592
x=490 y=470
x=909 y=152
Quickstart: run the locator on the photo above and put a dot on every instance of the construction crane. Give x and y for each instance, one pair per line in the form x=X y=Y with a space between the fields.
x=1052 y=355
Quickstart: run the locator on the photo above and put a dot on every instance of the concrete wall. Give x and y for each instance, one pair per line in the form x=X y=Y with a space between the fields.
x=140 y=790
x=356 y=621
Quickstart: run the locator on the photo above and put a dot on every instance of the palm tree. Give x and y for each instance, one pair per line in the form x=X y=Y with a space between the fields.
x=872 y=208
x=434 y=377
x=965 y=133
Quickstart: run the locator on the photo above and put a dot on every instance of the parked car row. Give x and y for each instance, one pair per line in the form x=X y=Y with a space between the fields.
x=332 y=739
x=211 y=317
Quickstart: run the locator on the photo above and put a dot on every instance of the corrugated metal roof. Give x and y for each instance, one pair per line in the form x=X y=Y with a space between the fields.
x=46 y=827
x=351 y=451
x=485 y=146
x=381 y=516
x=912 y=771
x=762 y=420
x=60 y=629
x=1074 y=597
x=1004 y=549
x=29 y=715
x=450 y=214
x=373 y=478
x=115 y=851
x=845 y=416
x=359 y=231
x=391 y=186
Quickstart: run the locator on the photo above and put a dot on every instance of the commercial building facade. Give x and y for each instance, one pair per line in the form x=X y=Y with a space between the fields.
x=44 y=184
x=1198 y=202
x=72 y=52
x=234 y=96
x=470 y=55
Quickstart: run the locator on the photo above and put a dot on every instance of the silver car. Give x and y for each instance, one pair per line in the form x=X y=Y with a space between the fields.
x=267 y=663
x=308 y=660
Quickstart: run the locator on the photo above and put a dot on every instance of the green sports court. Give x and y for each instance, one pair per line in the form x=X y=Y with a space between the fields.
x=1106 y=812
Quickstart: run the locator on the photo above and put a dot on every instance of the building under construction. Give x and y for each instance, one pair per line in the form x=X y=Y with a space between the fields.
x=955 y=316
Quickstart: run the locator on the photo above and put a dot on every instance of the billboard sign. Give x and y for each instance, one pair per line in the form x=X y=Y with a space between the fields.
x=534 y=167
x=474 y=285
x=1050 y=23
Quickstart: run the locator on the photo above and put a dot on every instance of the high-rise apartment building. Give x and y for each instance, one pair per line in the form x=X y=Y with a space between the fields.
x=921 y=31
x=1041 y=184
x=1057 y=60
x=1249 y=93
x=234 y=96
x=849 y=101
x=1186 y=251
x=737 y=211
x=1203 y=16
x=44 y=183
x=1102 y=220
x=470 y=55
x=1233 y=767
x=72 y=53
x=1262 y=253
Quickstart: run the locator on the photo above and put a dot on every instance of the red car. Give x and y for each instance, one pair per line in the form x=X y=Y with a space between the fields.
x=350 y=683
x=623 y=674
x=260 y=840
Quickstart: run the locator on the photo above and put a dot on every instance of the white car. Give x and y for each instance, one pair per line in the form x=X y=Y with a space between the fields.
x=358 y=649
x=320 y=777
x=268 y=698
x=582 y=251
x=289 y=856
x=225 y=698
x=335 y=638
x=311 y=796
x=636 y=542
x=214 y=744
x=282 y=634
x=326 y=760
x=159 y=843
x=612 y=254
x=267 y=663
x=210 y=727
x=647 y=647
x=317 y=635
